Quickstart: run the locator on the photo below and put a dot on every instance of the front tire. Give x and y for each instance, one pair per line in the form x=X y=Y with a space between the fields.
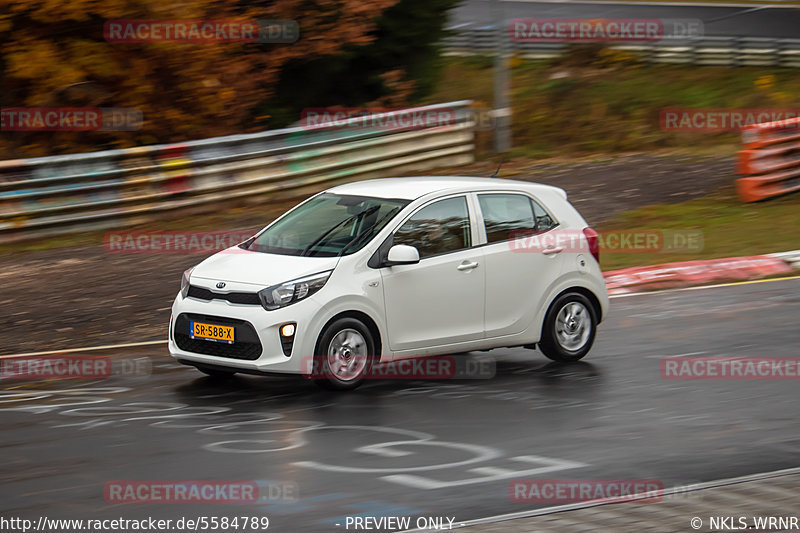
x=344 y=355
x=569 y=328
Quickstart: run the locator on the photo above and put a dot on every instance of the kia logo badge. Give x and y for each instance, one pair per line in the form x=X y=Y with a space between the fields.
x=221 y=285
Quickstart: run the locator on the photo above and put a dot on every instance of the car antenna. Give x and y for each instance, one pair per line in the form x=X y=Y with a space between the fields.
x=498 y=168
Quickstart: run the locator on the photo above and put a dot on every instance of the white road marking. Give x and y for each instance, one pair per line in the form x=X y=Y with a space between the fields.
x=676 y=355
x=491 y=471
x=546 y=464
x=480 y=454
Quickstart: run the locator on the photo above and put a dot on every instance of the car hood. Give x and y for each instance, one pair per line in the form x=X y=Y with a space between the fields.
x=257 y=268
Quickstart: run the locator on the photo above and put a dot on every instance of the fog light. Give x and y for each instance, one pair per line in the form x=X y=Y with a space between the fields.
x=287 y=338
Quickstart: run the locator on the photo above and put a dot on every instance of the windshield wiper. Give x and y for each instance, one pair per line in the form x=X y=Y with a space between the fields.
x=355 y=240
x=319 y=239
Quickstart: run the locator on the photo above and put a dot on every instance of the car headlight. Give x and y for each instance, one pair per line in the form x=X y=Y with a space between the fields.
x=185 y=282
x=293 y=291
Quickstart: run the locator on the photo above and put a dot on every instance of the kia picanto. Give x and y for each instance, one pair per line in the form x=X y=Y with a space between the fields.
x=378 y=271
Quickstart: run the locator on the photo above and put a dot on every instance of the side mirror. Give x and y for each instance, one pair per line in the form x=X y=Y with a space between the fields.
x=402 y=254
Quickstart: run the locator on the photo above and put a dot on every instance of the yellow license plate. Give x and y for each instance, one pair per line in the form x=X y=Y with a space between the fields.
x=211 y=332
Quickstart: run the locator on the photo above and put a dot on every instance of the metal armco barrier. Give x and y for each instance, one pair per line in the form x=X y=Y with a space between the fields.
x=98 y=190
x=710 y=50
x=770 y=159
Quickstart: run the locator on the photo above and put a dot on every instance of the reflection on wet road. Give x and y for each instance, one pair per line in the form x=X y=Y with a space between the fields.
x=417 y=448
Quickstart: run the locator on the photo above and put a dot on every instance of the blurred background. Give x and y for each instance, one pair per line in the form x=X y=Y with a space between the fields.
x=221 y=145
x=578 y=98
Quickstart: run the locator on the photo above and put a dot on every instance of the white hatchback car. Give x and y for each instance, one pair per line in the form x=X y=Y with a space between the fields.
x=388 y=269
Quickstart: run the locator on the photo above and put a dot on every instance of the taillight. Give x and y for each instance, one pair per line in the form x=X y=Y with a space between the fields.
x=594 y=242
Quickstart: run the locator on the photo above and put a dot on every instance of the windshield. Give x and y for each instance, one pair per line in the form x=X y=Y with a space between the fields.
x=328 y=225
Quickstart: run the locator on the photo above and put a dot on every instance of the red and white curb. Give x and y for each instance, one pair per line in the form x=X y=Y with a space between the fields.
x=792 y=258
x=700 y=272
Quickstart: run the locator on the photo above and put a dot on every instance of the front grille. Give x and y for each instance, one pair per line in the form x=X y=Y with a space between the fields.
x=247 y=298
x=246 y=344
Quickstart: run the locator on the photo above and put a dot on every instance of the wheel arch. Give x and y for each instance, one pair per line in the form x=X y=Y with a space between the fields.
x=593 y=299
x=361 y=316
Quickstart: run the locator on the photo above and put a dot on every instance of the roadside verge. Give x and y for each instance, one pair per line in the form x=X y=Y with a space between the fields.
x=700 y=272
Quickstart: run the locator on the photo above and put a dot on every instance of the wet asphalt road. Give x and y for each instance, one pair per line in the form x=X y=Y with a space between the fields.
x=419 y=448
x=721 y=20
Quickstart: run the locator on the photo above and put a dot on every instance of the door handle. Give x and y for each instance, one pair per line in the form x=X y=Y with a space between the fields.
x=467 y=266
x=552 y=250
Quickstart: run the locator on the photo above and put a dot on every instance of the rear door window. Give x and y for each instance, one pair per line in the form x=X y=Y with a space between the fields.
x=505 y=216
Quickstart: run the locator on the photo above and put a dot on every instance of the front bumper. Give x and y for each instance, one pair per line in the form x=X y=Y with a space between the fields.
x=254 y=326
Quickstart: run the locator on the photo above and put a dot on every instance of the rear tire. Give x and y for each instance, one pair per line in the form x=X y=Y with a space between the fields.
x=569 y=328
x=345 y=354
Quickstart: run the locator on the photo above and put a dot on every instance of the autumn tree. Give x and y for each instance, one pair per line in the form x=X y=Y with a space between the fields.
x=54 y=54
x=399 y=66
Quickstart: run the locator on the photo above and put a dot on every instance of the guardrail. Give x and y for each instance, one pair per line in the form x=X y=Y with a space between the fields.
x=727 y=51
x=770 y=159
x=61 y=194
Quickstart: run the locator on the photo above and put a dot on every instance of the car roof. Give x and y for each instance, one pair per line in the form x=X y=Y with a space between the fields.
x=411 y=188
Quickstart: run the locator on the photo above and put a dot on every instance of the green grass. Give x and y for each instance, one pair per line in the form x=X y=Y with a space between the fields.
x=600 y=100
x=729 y=227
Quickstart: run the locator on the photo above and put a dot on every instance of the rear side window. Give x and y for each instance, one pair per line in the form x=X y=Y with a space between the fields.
x=544 y=221
x=437 y=228
x=506 y=215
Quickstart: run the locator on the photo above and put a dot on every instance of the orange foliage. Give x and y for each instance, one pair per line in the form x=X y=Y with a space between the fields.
x=55 y=56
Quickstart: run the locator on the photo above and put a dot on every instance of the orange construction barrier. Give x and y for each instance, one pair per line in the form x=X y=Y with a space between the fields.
x=770 y=160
